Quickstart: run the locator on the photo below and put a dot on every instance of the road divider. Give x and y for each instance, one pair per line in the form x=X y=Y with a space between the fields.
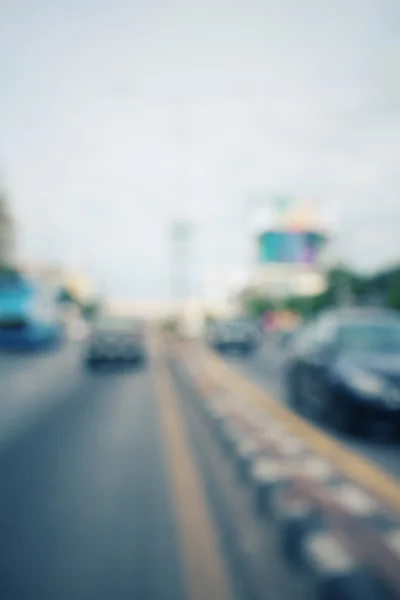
x=337 y=514
x=203 y=565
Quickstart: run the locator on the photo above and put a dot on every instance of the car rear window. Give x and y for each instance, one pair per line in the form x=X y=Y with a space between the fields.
x=114 y=323
x=371 y=337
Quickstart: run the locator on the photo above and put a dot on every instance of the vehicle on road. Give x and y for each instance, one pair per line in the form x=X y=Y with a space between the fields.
x=344 y=369
x=30 y=314
x=116 y=338
x=236 y=335
x=285 y=335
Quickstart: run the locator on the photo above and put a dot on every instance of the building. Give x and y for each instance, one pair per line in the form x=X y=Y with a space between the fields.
x=7 y=232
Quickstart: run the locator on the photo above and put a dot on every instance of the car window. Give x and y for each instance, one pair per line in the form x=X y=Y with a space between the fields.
x=114 y=323
x=370 y=337
x=304 y=337
x=325 y=330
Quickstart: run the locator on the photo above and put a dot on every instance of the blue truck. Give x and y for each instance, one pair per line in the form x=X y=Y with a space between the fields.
x=30 y=313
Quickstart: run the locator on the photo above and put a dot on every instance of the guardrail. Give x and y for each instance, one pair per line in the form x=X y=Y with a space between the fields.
x=344 y=534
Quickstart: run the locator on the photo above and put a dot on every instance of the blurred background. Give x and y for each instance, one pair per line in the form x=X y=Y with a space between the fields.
x=228 y=170
x=221 y=156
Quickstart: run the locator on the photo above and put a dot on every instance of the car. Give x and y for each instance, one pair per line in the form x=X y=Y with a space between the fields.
x=30 y=316
x=343 y=369
x=116 y=339
x=285 y=336
x=236 y=335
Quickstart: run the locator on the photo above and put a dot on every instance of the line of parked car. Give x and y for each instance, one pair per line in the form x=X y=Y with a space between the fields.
x=116 y=339
x=342 y=368
x=239 y=336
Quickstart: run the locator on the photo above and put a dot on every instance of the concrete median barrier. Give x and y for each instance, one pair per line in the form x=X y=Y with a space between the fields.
x=336 y=524
x=336 y=573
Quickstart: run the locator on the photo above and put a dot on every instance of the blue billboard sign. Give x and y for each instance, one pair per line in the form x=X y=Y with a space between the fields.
x=289 y=247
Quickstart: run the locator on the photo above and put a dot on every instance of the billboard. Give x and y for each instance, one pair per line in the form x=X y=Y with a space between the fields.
x=289 y=247
x=290 y=233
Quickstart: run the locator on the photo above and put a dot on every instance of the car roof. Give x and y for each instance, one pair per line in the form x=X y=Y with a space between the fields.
x=355 y=314
x=115 y=318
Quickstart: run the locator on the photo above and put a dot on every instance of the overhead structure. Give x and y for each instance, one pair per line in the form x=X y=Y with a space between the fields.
x=181 y=234
x=289 y=237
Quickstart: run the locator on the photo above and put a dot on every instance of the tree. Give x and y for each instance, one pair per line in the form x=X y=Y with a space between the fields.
x=7 y=270
x=393 y=295
x=256 y=306
x=90 y=310
x=67 y=297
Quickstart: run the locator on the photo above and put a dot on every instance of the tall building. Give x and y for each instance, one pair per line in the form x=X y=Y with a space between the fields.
x=7 y=232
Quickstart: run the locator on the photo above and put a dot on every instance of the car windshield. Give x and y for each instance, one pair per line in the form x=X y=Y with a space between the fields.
x=111 y=323
x=237 y=324
x=371 y=337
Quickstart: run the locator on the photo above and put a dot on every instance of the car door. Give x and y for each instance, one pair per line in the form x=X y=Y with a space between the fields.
x=300 y=353
x=319 y=356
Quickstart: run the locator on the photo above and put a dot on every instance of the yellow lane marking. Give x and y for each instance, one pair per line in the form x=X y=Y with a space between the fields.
x=204 y=569
x=360 y=470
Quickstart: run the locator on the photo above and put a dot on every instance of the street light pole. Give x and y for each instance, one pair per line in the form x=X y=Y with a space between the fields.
x=181 y=231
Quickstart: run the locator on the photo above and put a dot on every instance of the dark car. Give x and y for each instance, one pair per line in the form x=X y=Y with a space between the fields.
x=116 y=339
x=344 y=369
x=238 y=335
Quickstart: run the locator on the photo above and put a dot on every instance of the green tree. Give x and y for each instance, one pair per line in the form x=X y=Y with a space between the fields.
x=256 y=306
x=90 y=310
x=65 y=296
x=393 y=294
x=8 y=270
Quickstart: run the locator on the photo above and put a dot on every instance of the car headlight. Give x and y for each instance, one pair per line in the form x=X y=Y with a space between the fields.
x=364 y=382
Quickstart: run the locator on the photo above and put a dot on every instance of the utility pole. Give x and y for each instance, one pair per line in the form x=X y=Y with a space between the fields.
x=180 y=257
x=181 y=230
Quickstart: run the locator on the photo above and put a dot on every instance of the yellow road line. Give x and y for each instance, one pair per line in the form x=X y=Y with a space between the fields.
x=204 y=569
x=360 y=470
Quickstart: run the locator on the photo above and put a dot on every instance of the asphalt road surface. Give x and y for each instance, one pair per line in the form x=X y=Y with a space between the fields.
x=84 y=507
x=109 y=488
x=265 y=368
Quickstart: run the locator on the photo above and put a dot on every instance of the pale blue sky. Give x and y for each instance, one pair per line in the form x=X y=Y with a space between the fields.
x=113 y=112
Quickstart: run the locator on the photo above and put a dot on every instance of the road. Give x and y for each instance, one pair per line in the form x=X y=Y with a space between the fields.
x=83 y=506
x=265 y=368
x=111 y=489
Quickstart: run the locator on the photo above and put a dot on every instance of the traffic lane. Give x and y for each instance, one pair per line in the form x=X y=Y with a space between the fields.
x=266 y=369
x=32 y=383
x=32 y=365
x=84 y=505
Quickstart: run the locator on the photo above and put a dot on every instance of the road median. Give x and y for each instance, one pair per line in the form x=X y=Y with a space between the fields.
x=328 y=501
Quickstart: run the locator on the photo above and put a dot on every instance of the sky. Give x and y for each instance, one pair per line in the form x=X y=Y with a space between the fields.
x=117 y=117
